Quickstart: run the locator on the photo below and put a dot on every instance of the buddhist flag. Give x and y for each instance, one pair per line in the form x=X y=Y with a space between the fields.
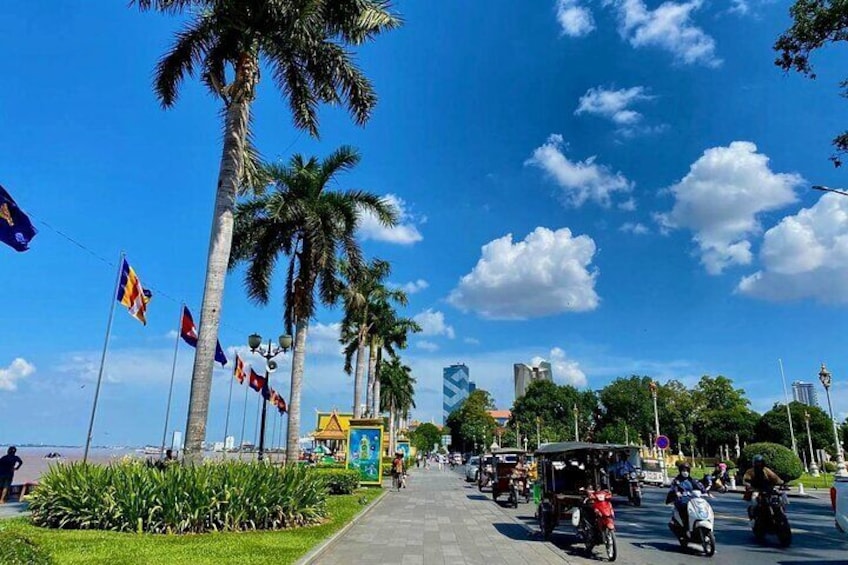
x=238 y=371
x=257 y=383
x=16 y=229
x=188 y=332
x=132 y=295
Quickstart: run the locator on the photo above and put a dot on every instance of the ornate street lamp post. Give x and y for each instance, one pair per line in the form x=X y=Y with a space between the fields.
x=576 y=430
x=254 y=341
x=826 y=378
x=814 y=469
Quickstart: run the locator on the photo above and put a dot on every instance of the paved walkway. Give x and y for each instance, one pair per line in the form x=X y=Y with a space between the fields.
x=438 y=520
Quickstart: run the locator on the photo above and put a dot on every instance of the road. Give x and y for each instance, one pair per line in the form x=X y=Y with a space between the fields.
x=644 y=537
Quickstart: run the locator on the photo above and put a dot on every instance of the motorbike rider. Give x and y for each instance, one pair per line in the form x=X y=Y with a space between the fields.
x=519 y=474
x=682 y=483
x=623 y=467
x=760 y=479
x=718 y=476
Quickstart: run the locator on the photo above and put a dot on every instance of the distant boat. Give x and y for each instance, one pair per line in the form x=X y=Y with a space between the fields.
x=151 y=450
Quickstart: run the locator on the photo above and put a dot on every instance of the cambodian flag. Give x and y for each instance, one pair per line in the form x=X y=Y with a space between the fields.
x=188 y=332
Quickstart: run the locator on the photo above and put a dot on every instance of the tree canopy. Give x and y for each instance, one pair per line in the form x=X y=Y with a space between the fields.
x=471 y=423
x=425 y=436
x=549 y=408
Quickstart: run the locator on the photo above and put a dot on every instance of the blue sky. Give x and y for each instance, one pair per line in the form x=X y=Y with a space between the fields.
x=618 y=187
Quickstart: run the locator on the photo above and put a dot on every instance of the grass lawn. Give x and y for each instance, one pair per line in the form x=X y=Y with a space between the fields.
x=102 y=548
x=823 y=481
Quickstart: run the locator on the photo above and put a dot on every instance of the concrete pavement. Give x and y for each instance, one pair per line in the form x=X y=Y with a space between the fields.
x=439 y=519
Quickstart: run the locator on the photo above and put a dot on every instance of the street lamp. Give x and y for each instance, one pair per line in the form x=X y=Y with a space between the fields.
x=814 y=469
x=826 y=378
x=254 y=341
x=653 y=386
x=576 y=431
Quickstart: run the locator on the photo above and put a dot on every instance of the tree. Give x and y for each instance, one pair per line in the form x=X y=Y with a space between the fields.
x=388 y=332
x=425 y=436
x=471 y=422
x=815 y=23
x=397 y=393
x=306 y=45
x=778 y=458
x=312 y=226
x=774 y=427
x=628 y=401
x=721 y=413
x=547 y=410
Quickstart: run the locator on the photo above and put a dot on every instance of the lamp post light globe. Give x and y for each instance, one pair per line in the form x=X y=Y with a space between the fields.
x=285 y=342
x=826 y=380
x=254 y=341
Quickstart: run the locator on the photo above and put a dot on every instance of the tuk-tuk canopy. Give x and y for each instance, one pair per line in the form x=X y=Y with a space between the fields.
x=569 y=446
x=508 y=451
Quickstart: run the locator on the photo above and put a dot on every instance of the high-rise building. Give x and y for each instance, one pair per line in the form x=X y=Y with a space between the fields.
x=805 y=393
x=456 y=387
x=525 y=374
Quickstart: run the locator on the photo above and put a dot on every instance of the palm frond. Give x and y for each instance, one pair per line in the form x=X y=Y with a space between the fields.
x=188 y=50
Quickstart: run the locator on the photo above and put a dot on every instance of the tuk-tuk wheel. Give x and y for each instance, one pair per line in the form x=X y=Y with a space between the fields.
x=546 y=525
x=495 y=493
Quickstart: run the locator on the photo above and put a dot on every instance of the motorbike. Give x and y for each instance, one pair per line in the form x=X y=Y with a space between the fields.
x=514 y=488
x=698 y=526
x=717 y=484
x=630 y=487
x=595 y=521
x=769 y=516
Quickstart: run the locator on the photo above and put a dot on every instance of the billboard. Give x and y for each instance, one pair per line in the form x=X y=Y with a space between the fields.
x=365 y=453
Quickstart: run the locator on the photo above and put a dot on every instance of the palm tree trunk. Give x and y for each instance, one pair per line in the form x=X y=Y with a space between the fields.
x=376 y=397
x=392 y=429
x=359 y=375
x=220 y=242
x=372 y=377
x=298 y=362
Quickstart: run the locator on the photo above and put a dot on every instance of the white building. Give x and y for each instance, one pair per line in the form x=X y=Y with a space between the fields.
x=525 y=374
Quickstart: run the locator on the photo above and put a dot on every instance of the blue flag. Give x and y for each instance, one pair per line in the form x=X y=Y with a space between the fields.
x=16 y=230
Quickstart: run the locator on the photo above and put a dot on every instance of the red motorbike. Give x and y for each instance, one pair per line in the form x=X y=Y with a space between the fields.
x=596 y=524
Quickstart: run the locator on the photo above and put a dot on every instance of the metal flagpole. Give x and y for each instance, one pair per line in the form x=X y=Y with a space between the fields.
x=243 y=420
x=788 y=413
x=256 y=422
x=171 y=389
x=103 y=357
x=229 y=403
x=274 y=430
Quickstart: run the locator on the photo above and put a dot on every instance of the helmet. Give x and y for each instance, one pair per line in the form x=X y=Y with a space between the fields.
x=683 y=466
x=722 y=466
x=758 y=460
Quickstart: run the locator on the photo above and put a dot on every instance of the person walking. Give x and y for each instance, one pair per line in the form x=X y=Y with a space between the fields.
x=9 y=463
x=398 y=471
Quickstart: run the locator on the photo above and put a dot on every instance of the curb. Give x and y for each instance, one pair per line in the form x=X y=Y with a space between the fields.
x=331 y=541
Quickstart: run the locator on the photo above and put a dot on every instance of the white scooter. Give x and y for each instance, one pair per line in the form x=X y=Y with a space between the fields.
x=699 y=528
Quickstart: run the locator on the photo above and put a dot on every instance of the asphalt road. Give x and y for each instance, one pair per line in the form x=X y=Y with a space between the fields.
x=643 y=535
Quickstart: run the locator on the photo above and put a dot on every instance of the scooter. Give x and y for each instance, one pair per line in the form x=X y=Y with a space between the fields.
x=513 y=492
x=595 y=521
x=698 y=527
x=770 y=516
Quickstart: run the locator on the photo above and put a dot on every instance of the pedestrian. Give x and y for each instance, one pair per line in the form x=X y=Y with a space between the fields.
x=9 y=463
x=418 y=461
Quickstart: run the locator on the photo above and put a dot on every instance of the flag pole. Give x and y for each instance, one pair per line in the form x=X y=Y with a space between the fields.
x=243 y=421
x=229 y=403
x=171 y=388
x=256 y=423
x=274 y=430
x=103 y=357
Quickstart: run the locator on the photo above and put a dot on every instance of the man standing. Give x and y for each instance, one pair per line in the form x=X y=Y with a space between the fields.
x=9 y=463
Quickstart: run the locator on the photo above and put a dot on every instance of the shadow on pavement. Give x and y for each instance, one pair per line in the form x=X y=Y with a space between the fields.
x=514 y=531
x=477 y=497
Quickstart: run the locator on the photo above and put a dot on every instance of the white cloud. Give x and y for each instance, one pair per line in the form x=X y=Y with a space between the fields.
x=634 y=228
x=720 y=200
x=426 y=345
x=613 y=104
x=404 y=233
x=574 y=19
x=471 y=341
x=628 y=205
x=805 y=255
x=668 y=27
x=171 y=334
x=564 y=369
x=19 y=368
x=548 y=272
x=432 y=322
x=579 y=180
x=414 y=287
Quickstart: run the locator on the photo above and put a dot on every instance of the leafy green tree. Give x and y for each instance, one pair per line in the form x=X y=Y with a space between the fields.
x=549 y=408
x=471 y=422
x=307 y=48
x=778 y=458
x=312 y=227
x=774 y=427
x=628 y=400
x=815 y=24
x=425 y=436
x=397 y=393
x=721 y=413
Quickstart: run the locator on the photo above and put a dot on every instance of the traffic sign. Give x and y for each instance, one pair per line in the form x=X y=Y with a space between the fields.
x=662 y=442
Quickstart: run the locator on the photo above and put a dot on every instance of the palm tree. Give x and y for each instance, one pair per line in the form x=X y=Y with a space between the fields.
x=305 y=45
x=313 y=227
x=397 y=393
x=364 y=291
x=389 y=332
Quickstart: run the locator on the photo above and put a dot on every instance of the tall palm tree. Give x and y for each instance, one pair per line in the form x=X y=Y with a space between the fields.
x=313 y=227
x=305 y=44
x=389 y=332
x=397 y=393
x=364 y=291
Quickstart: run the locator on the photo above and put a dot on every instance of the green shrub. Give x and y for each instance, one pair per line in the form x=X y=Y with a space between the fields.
x=829 y=467
x=17 y=550
x=338 y=481
x=779 y=459
x=132 y=497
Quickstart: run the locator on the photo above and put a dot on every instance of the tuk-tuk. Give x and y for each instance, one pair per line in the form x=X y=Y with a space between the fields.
x=505 y=462
x=486 y=472
x=574 y=483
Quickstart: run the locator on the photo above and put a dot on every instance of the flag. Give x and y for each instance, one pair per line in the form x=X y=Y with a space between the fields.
x=188 y=332
x=238 y=371
x=132 y=295
x=266 y=393
x=16 y=229
x=281 y=405
x=257 y=383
